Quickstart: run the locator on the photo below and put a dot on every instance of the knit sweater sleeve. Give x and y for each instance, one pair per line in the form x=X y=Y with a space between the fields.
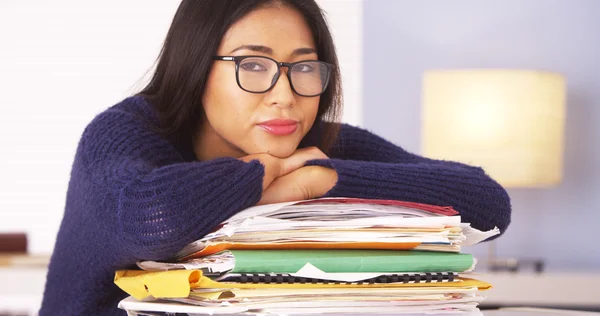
x=368 y=166
x=162 y=201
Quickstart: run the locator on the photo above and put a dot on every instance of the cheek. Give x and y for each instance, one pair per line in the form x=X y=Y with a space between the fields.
x=228 y=108
x=311 y=107
x=216 y=100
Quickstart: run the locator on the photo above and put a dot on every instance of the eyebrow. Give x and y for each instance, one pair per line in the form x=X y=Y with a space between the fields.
x=269 y=51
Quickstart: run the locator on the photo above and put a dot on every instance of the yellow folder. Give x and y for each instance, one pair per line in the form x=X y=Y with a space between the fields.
x=178 y=283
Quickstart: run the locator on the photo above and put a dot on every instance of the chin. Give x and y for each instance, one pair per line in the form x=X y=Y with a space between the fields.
x=280 y=152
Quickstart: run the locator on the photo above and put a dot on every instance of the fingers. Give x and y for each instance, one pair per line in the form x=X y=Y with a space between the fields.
x=278 y=167
x=273 y=166
x=287 y=188
x=300 y=157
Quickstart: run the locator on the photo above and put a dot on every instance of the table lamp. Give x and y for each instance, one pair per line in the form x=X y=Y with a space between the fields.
x=509 y=122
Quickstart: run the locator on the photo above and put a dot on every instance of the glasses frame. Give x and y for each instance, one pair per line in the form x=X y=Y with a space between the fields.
x=239 y=59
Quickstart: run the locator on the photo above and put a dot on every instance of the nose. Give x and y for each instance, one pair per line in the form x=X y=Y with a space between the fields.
x=281 y=94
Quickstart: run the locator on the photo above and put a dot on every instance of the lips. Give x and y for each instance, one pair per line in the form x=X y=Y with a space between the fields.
x=279 y=127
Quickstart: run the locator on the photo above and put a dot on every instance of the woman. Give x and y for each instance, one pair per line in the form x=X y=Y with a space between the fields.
x=241 y=110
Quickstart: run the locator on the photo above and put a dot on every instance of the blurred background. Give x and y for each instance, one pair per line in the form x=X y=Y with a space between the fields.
x=63 y=62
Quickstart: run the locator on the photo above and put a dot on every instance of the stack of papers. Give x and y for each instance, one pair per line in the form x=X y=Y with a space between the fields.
x=333 y=255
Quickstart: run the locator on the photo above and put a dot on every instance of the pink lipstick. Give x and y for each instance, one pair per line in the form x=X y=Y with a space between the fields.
x=279 y=127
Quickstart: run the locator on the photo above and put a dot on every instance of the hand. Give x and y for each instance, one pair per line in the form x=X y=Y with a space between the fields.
x=302 y=184
x=278 y=167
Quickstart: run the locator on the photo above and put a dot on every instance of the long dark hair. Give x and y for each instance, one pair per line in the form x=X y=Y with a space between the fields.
x=178 y=83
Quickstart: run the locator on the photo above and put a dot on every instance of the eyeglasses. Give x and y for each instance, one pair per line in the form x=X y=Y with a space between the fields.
x=259 y=74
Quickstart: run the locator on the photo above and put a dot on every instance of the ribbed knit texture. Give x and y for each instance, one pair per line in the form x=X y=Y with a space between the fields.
x=132 y=196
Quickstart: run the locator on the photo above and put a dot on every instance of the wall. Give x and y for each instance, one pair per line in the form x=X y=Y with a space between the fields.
x=61 y=63
x=403 y=38
x=64 y=61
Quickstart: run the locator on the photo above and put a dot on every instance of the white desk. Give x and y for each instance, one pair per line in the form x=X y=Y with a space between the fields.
x=21 y=290
x=562 y=289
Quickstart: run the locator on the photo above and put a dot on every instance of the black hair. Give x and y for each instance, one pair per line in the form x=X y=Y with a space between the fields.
x=179 y=80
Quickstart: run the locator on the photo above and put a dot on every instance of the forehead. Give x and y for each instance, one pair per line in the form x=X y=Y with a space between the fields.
x=281 y=28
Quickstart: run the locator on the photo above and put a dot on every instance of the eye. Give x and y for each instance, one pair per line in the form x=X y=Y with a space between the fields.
x=304 y=67
x=253 y=66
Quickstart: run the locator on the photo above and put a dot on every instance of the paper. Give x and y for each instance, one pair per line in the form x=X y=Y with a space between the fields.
x=334 y=255
x=340 y=220
x=260 y=223
x=178 y=284
x=474 y=236
x=142 y=284
x=266 y=300
x=329 y=214
x=133 y=305
x=214 y=247
x=384 y=278
x=438 y=292
x=349 y=260
x=310 y=271
x=216 y=263
x=332 y=206
x=330 y=261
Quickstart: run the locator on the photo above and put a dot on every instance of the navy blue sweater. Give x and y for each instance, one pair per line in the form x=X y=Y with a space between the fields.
x=133 y=196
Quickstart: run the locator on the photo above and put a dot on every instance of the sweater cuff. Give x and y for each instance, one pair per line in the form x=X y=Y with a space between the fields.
x=480 y=201
x=347 y=184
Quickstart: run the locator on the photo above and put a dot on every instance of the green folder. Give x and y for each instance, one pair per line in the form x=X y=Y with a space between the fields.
x=349 y=261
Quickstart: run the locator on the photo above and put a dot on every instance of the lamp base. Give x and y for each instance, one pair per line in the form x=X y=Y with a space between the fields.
x=497 y=264
x=515 y=265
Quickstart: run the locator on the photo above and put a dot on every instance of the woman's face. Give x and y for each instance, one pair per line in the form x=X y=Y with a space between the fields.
x=239 y=123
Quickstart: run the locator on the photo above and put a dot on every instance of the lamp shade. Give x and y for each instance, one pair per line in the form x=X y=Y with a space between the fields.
x=509 y=122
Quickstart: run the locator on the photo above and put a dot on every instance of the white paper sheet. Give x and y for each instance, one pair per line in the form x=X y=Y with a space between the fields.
x=131 y=305
x=474 y=236
x=310 y=271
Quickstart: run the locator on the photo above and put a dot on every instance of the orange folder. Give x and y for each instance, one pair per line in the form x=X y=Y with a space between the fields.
x=214 y=247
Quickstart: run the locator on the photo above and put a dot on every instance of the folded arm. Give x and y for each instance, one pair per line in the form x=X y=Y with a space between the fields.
x=370 y=167
x=162 y=202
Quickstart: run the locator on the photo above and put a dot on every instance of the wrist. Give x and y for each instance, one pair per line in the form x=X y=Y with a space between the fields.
x=322 y=180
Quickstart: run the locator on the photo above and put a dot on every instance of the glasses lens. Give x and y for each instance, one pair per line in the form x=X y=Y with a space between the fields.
x=310 y=77
x=257 y=74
